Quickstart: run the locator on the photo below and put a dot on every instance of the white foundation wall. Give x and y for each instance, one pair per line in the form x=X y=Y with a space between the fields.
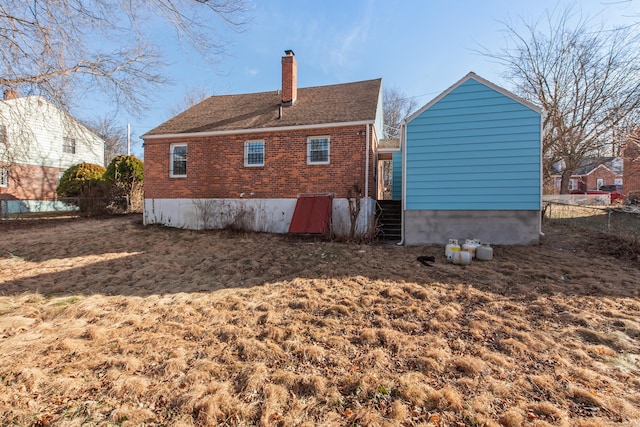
x=263 y=215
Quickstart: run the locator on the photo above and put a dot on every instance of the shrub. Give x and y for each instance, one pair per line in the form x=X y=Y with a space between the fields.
x=125 y=170
x=125 y=174
x=79 y=178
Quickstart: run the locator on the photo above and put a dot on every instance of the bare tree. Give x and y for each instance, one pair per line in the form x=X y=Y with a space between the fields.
x=64 y=48
x=192 y=96
x=586 y=78
x=114 y=135
x=397 y=106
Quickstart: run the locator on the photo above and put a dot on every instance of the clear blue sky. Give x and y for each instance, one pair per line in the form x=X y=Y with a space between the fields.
x=419 y=47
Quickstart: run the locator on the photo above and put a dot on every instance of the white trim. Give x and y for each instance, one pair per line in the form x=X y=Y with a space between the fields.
x=316 y=137
x=171 y=159
x=403 y=177
x=479 y=79
x=254 y=130
x=246 y=154
x=388 y=150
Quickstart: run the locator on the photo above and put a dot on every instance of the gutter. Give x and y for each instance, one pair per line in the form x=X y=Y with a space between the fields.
x=255 y=130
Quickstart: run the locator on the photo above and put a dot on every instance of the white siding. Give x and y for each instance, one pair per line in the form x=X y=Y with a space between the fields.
x=35 y=130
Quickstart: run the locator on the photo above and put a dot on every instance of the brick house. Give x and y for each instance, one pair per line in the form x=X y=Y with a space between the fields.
x=631 y=156
x=593 y=173
x=38 y=142
x=245 y=160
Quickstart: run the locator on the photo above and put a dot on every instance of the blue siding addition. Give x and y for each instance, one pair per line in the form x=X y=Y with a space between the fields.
x=474 y=148
x=396 y=184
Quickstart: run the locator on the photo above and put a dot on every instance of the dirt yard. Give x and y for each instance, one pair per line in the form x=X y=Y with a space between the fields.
x=105 y=322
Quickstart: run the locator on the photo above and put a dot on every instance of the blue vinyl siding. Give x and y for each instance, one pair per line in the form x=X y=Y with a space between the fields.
x=396 y=185
x=474 y=149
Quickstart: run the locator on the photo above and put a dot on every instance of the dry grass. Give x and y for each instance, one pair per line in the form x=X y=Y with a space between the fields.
x=105 y=322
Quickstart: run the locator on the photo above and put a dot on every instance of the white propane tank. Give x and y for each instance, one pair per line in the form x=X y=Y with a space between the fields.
x=451 y=247
x=484 y=252
x=470 y=245
x=461 y=257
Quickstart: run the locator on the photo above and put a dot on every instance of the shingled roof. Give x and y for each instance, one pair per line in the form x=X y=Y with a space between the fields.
x=341 y=103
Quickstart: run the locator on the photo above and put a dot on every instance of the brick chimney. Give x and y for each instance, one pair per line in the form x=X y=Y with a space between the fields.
x=10 y=94
x=289 y=78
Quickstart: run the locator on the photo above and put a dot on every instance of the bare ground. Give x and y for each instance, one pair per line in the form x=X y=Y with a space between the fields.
x=105 y=322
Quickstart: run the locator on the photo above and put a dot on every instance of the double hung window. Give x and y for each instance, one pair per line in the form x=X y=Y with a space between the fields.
x=178 y=161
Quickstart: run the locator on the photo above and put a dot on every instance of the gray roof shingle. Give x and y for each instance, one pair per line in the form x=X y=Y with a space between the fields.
x=340 y=103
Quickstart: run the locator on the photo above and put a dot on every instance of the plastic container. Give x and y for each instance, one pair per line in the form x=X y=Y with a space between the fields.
x=451 y=247
x=461 y=257
x=471 y=245
x=484 y=252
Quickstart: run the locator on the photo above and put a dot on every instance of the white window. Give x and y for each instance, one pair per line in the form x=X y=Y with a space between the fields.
x=4 y=176
x=254 y=153
x=617 y=181
x=69 y=145
x=573 y=184
x=178 y=161
x=599 y=183
x=318 y=150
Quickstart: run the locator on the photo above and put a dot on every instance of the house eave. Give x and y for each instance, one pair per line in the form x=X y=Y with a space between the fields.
x=254 y=130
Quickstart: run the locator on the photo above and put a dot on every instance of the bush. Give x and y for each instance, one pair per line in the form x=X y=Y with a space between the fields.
x=79 y=178
x=124 y=170
x=125 y=174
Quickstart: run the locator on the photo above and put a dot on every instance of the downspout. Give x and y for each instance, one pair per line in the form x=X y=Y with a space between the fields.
x=541 y=176
x=403 y=194
x=366 y=185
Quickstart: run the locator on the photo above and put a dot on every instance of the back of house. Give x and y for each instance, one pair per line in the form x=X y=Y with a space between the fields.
x=245 y=160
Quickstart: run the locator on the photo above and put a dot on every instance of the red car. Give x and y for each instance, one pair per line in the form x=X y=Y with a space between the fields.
x=614 y=197
x=615 y=190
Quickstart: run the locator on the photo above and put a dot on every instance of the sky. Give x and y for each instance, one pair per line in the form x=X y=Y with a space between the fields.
x=417 y=47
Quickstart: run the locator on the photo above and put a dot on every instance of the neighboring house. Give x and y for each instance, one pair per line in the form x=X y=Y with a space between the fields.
x=245 y=160
x=591 y=174
x=38 y=142
x=471 y=167
x=631 y=158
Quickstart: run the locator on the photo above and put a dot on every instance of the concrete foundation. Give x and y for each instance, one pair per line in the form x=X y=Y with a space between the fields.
x=495 y=227
x=263 y=215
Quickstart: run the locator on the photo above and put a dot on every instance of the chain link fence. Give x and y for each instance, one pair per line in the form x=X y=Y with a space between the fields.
x=623 y=221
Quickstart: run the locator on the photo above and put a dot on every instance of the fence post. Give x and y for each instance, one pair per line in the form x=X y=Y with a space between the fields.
x=550 y=209
x=609 y=220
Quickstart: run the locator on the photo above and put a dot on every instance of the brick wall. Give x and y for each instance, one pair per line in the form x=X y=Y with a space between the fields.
x=215 y=166
x=27 y=182
x=590 y=182
x=631 y=168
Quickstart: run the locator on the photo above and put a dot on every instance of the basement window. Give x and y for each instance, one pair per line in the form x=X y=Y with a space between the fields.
x=178 y=161
x=254 y=153
x=318 y=150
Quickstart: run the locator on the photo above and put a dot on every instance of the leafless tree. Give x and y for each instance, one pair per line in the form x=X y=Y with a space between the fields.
x=192 y=96
x=397 y=106
x=585 y=77
x=114 y=135
x=65 y=48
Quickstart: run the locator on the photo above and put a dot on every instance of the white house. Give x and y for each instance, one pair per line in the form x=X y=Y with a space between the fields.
x=38 y=142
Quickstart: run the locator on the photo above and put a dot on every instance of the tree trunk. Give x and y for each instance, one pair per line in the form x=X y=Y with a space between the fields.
x=564 y=184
